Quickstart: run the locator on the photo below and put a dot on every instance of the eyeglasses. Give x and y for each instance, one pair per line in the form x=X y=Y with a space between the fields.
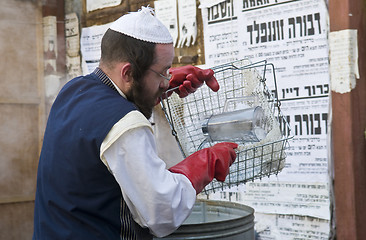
x=167 y=77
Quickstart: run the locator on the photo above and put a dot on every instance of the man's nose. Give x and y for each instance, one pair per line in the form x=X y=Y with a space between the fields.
x=164 y=84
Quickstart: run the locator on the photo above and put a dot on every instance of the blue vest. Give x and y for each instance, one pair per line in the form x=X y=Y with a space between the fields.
x=77 y=197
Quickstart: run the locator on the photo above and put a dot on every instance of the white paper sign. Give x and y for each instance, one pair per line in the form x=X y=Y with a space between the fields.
x=50 y=44
x=72 y=35
x=289 y=227
x=279 y=197
x=187 y=23
x=293 y=36
x=90 y=41
x=92 y=5
x=73 y=65
x=166 y=12
x=289 y=198
x=221 y=36
x=343 y=60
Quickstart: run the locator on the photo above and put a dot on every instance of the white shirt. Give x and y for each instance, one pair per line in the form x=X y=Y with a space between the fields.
x=157 y=198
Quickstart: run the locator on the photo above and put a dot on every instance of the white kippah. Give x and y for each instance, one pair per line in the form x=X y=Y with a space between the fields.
x=143 y=25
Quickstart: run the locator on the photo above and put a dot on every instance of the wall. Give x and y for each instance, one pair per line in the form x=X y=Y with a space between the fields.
x=296 y=203
x=22 y=114
x=27 y=90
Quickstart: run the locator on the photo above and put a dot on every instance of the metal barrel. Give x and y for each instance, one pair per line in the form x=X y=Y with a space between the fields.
x=220 y=220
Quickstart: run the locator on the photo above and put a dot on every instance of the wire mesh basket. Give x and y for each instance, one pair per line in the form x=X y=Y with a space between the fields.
x=242 y=86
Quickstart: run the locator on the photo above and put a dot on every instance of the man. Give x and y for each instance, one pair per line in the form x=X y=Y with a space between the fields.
x=99 y=176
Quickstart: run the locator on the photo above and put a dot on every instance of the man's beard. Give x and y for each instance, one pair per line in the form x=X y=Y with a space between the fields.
x=143 y=102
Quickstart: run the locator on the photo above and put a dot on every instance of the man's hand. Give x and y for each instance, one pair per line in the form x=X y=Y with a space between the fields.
x=206 y=164
x=189 y=78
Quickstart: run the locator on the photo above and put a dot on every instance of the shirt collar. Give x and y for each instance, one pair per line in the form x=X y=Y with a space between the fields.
x=107 y=81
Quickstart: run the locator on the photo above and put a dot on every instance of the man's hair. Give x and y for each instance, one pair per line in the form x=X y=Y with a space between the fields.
x=117 y=47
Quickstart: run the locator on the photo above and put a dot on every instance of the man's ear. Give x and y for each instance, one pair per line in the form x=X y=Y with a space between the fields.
x=126 y=72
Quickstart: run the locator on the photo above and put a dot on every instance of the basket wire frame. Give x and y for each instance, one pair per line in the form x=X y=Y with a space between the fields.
x=236 y=79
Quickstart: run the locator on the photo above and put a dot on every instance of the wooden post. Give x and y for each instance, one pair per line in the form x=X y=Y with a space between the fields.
x=348 y=129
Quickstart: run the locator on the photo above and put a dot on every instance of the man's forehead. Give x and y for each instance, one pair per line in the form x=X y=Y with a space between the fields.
x=164 y=55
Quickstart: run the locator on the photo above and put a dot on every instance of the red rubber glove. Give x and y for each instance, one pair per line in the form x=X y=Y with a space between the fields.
x=189 y=78
x=204 y=165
